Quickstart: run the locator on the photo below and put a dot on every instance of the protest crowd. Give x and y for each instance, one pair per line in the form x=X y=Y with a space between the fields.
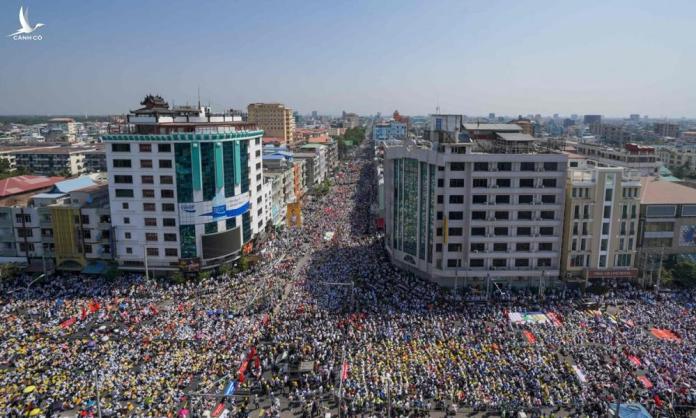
x=324 y=323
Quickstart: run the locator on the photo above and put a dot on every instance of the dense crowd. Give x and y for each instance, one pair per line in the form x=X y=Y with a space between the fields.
x=323 y=320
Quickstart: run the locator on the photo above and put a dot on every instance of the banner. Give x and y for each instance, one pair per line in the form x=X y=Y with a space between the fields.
x=344 y=371
x=230 y=389
x=68 y=322
x=579 y=373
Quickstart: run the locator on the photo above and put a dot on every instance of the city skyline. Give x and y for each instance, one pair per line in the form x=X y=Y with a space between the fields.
x=471 y=58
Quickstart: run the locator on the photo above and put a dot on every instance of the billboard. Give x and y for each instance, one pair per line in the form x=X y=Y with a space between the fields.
x=222 y=244
x=293 y=217
x=196 y=213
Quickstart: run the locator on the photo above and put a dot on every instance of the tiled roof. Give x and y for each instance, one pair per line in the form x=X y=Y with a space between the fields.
x=660 y=192
x=23 y=184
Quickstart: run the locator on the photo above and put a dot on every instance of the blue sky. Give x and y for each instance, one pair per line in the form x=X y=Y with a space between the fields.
x=471 y=57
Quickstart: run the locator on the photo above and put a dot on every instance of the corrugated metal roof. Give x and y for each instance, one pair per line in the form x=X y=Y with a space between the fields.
x=492 y=127
x=515 y=137
x=71 y=185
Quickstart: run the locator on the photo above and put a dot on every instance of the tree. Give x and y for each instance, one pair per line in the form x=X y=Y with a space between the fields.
x=8 y=271
x=684 y=272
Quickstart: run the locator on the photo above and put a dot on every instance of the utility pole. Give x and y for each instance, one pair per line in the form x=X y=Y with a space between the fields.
x=388 y=397
x=96 y=385
x=659 y=270
x=488 y=287
x=147 y=274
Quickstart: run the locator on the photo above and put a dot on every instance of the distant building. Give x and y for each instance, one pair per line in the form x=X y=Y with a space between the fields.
x=666 y=129
x=634 y=117
x=591 y=119
x=350 y=120
x=389 y=130
x=636 y=157
x=61 y=130
x=526 y=125
x=275 y=119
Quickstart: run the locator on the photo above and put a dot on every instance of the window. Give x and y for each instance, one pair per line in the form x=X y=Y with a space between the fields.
x=168 y=207
x=145 y=163
x=658 y=226
x=439 y=216
x=150 y=221
x=528 y=183
x=499 y=262
x=456 y=216
x=457 y=166
x=456 y=199
x=440 y=199
x=438 y=232
x=126 y=220
x=124 y=193
x=480 y=183
x=551 y=166
x=122 y=163
x=167 y=194
x=525 y=215
x=478 y=215
x=500 y=247
x=147 y=180
x=544 y=262
x=168 y=222
x=476 y=262
x=524 y=231
x=478 y=232
x=521 y=262
x=525 y=199
x=548 y=198
x=547 y=214
x=546 y=230
x=500 y=231
x=576 y=212
x=164 y=147
x=170 y=237
x=503 y=182
x=605 y=228
x=438 y=248
x=23 y=218
x=545 y=246
x=165 y=163
x=24 y=232
x=145 y=147
x=149 y=207
x=88 y=249
x=440 y=182
x=480 y=166
x=148 y=193
x=602 y=260
x=502 y=199
x=479 y=199
x=166 y=180
x=604 y=243
x=127 y=235
x=607 y=212
x=123 y=179
x=501 y=214
x=454 y=248
x=522 y=247
x=608 y=194
x=153 y=252
x=478 y=247
x=456 y=183
x=171 y=252
x=455 y=232
x=549 y=182
x=150 y=236
x=527 y=166
x=120 y=147
x=503 y=166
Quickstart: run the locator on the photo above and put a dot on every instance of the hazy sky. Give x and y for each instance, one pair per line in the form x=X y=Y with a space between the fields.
x=471 y=57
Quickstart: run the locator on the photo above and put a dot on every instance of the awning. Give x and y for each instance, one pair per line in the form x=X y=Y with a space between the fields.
x=629 y=410
x=95 y=267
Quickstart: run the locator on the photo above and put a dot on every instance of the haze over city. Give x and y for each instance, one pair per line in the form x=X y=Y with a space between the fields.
x=470 y=57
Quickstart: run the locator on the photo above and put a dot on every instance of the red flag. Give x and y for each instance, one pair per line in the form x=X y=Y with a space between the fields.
x=68 y=322
x=84 y=314
x=94 y=306
x=658 y=401
x=218 y=410
x=344 y=371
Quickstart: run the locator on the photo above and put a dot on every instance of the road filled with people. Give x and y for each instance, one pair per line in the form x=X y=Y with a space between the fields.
x=324 y=323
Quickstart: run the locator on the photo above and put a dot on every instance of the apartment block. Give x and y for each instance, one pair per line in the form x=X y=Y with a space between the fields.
x=275 y=119
x=600 y=235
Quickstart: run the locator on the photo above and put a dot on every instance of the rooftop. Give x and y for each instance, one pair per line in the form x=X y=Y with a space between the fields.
x=515 y=137
x=510 y=127
x=661 y=192
x=23 y=184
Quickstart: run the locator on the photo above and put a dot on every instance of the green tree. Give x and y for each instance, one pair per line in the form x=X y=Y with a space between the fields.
x=684 y=272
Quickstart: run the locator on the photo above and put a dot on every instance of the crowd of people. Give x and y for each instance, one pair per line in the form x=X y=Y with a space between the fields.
x=324 y=322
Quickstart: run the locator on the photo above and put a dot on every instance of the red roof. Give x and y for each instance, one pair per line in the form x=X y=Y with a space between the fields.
x=23 y=184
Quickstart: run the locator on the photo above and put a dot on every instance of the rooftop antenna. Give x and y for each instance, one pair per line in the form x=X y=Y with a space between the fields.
x=437 y=103
x=199 y=96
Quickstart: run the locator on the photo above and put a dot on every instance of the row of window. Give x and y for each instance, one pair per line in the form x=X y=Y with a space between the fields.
x=155 y=252
x=125 y=147
x=48 y=247
x=480 y=247
x=121 y=163
x=503 y=183
x=583 y=260
x=482 y=199
x=153 y=236
x=499 y=262
x=147 y=193
x=499 y=231
x=505 y=166
x=625 y=228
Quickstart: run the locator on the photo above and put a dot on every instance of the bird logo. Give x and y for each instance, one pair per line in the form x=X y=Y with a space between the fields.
x=24 y=21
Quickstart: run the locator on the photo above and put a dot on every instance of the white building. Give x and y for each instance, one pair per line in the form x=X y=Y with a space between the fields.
x=186 y=188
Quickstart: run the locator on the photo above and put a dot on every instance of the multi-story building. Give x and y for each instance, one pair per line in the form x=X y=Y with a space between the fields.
x=350 y=120
x=456 y=214
x=591 y=119
x=48 y=161
x=62 y=130
x=601 y=223
x=384 y=131
x=274 y=119
x=632 y=156
x=185 y=187
x=667 y=218
x=95 y=159
x=666 y=129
